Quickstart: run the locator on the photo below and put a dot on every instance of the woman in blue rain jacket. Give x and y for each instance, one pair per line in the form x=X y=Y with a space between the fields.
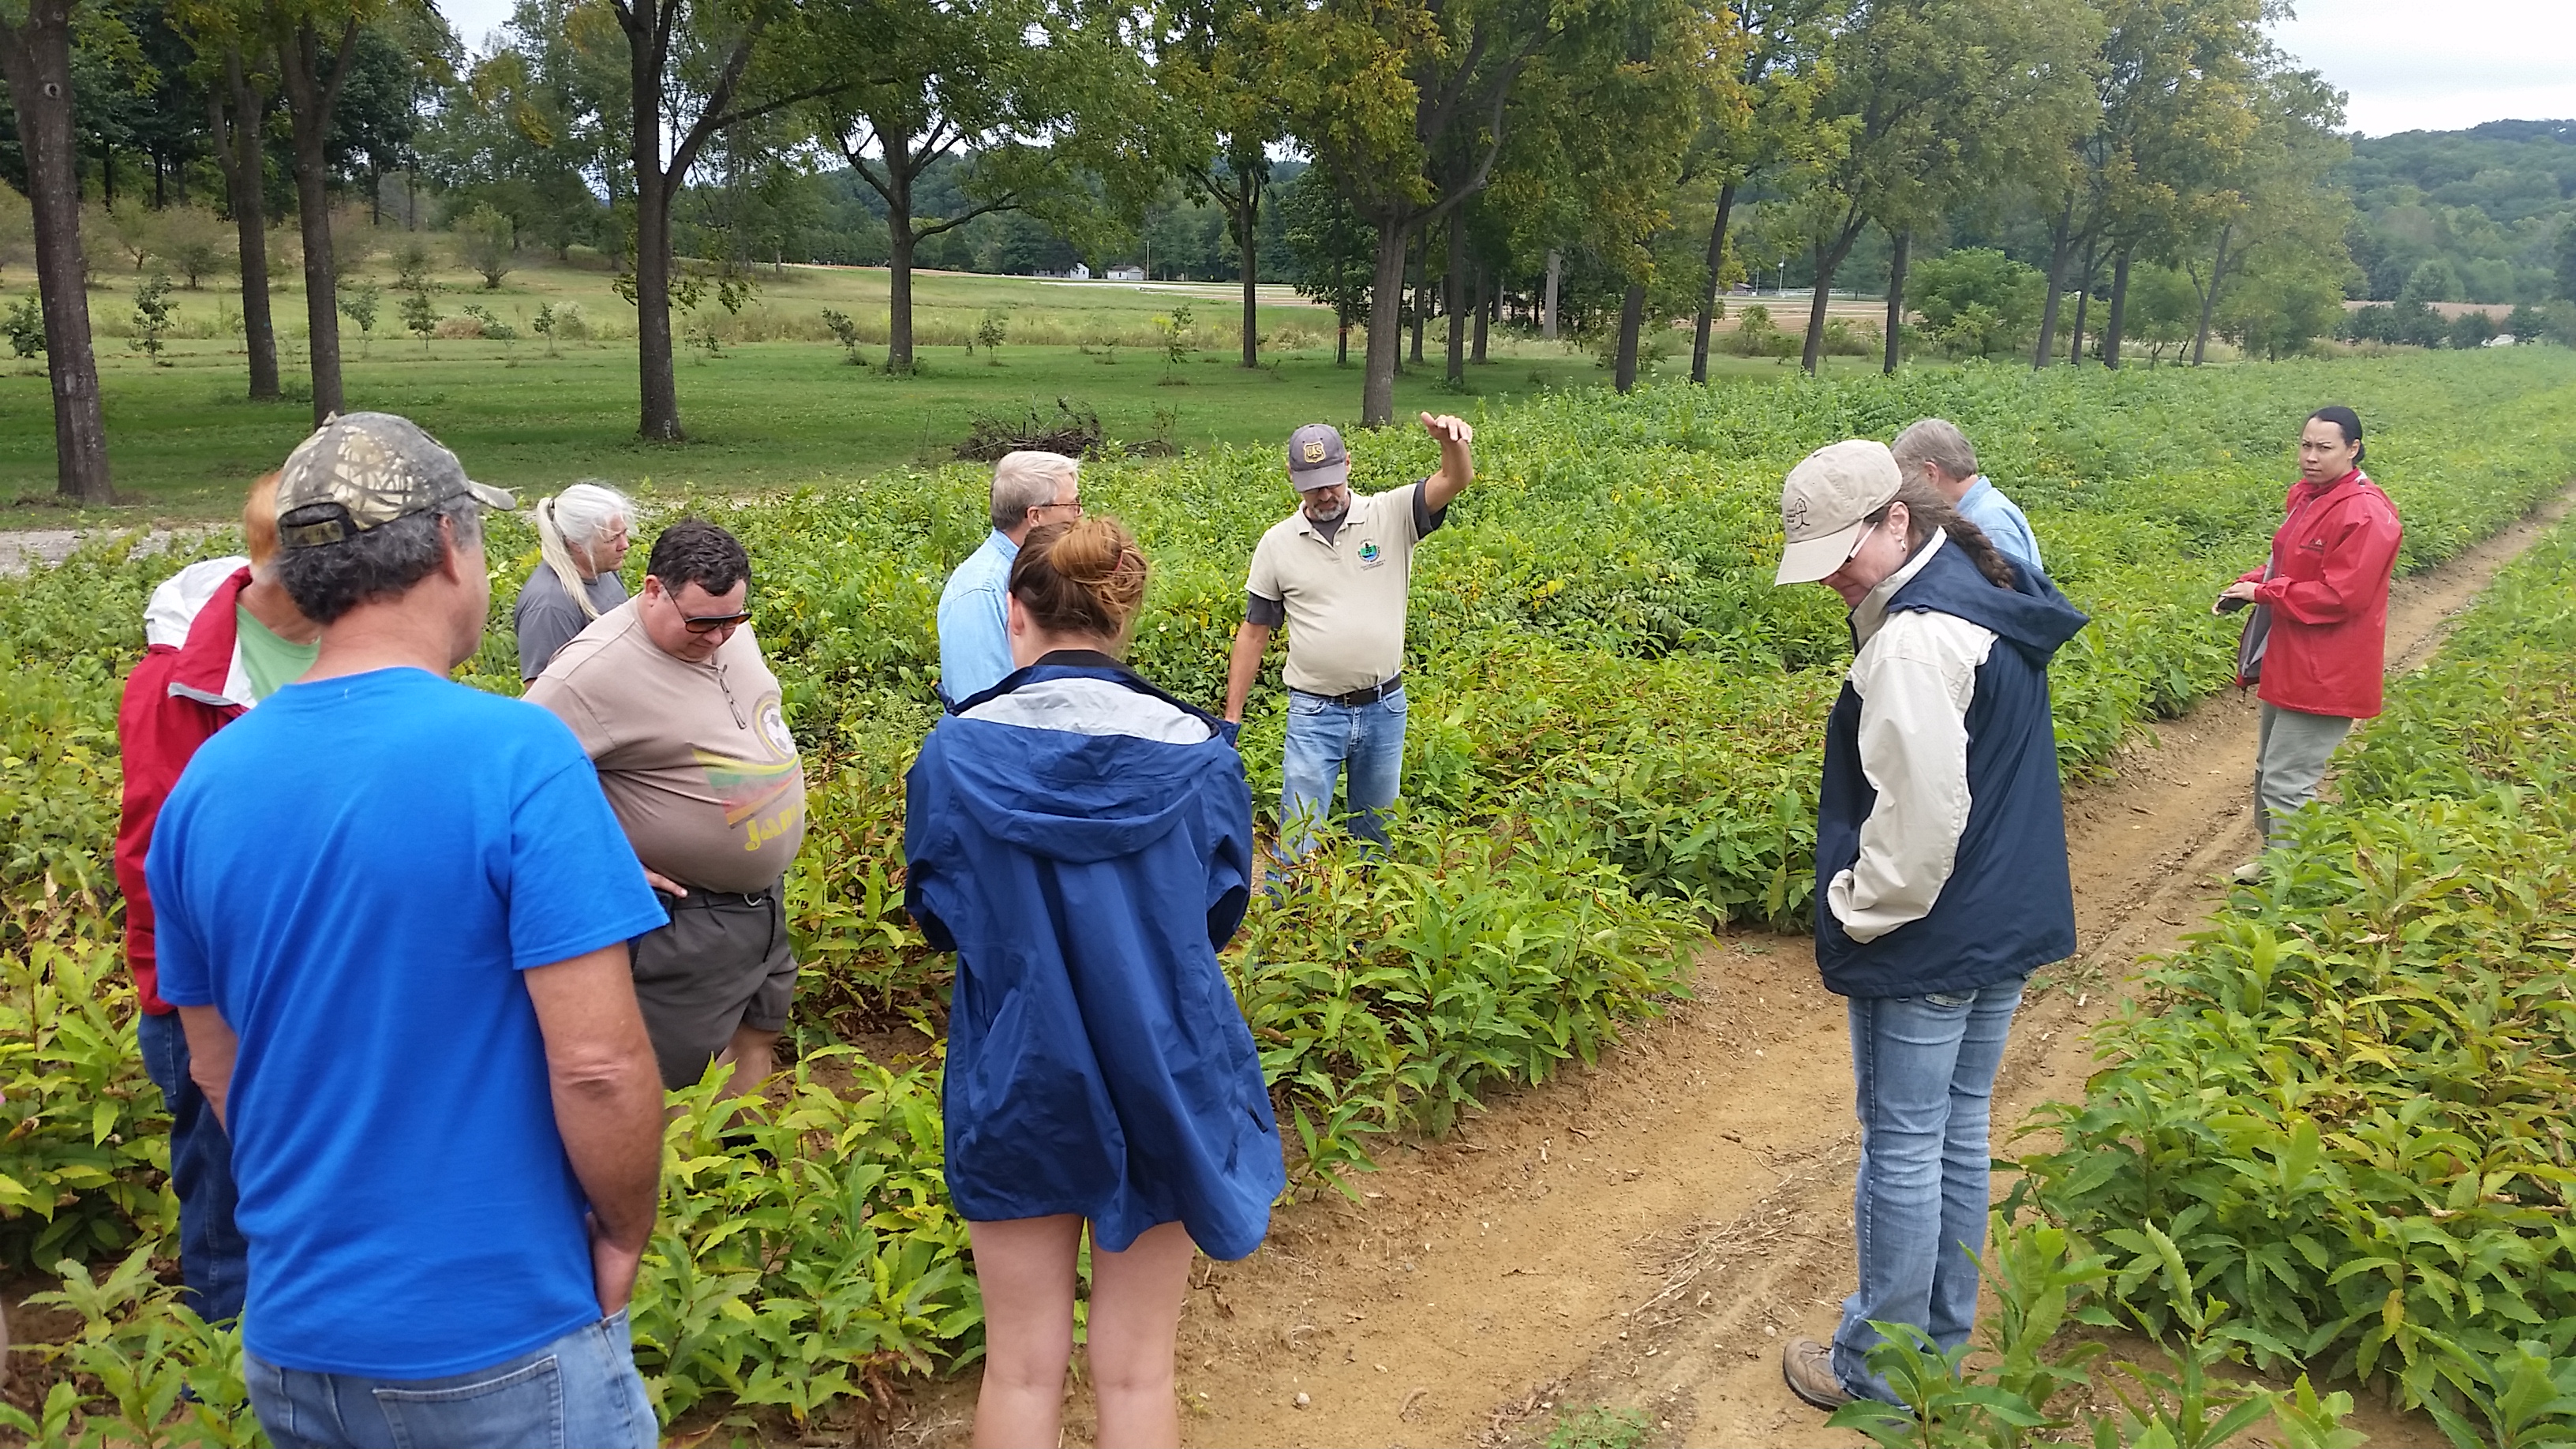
x=1083 y=842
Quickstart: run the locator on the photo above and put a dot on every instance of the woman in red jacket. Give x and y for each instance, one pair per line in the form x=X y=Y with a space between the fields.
x=2325 y=592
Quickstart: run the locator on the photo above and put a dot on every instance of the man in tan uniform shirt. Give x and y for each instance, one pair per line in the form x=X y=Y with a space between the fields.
x=1337 y=572
x=669 y=696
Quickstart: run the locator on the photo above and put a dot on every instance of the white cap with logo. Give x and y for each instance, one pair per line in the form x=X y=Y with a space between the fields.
x=1826 y=504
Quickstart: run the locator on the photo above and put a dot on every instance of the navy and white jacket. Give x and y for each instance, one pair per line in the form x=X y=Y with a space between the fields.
x=1083 y=842
x=1940 y=834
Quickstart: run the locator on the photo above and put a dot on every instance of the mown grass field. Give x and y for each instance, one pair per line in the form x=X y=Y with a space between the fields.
x=778 y=405
x=1613 y=744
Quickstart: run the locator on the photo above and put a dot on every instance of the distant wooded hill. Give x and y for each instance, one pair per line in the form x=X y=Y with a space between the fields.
x=2480 y=215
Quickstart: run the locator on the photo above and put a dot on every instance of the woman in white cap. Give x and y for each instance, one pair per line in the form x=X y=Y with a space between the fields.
x=1941 y=877
x=582 y=534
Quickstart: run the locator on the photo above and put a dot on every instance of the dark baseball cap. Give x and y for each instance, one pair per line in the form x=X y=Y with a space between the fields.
x=359 y=470
x=1317 y=459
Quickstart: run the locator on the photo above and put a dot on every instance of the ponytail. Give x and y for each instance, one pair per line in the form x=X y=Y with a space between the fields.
x=584 y=510
x=1927 y=509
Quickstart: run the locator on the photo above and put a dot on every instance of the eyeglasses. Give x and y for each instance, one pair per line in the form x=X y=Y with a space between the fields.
x=709 y=623
x=1076 y=506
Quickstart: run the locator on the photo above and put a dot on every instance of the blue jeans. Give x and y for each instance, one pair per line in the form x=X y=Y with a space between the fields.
x=214 y=1258
x=1924 y=1068
x=1323 y=738
x=579 y=1392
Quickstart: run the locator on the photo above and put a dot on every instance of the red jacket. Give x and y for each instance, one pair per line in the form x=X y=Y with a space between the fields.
x=175 y=700
x=2329 y=595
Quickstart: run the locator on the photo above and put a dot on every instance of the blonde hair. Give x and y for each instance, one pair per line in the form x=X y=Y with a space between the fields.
x=1026 y=480
x=1086 y=577
x=583 y=511
x=259 y=524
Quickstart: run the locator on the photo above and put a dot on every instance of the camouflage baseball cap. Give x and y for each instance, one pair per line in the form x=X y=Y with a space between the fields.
x=362 y=469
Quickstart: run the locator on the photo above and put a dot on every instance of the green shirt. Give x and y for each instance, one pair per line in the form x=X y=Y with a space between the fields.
x=271 y=662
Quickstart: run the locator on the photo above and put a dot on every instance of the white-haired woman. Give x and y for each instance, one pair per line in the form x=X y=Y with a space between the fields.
x=583 y=533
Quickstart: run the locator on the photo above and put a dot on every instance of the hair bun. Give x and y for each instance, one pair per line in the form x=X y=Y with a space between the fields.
x=1082 y=577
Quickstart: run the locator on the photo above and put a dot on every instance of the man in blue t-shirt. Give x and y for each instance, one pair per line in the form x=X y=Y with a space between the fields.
x=1029 y=488
x=393 y=915
x=1934 y=449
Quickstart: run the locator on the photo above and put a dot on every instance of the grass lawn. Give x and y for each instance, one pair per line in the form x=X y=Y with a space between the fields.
x=775 y=406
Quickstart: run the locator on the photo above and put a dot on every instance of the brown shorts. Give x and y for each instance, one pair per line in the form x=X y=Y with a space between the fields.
x=722 y=963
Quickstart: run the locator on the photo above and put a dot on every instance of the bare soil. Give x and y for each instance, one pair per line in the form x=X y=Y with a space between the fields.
x=1648 y=1232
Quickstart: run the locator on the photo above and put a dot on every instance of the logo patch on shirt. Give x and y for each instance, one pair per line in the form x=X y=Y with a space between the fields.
x=1370 y=554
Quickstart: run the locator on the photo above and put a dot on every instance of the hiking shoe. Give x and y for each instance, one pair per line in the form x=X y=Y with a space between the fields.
x=1809 y=1368
x=2250 y=873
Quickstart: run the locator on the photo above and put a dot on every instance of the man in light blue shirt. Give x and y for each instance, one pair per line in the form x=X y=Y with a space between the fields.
x=1935 y=449
x=974 y=632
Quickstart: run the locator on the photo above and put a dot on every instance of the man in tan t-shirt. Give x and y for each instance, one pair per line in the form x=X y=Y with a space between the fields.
x=1337 y=572
x=669 y=696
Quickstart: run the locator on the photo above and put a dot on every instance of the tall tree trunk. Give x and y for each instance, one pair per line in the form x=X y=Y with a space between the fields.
x=1248 y=243
x=657 y=379
x=36 y=61
x=1632 y=320
x=2056 y=281
x=1827 y=262
x=2209 y=297
x=1547 y=307
x=1453 y=299
x=1709 y=290
x=1421 y=292
x=1896 y=261
x=311 y=94
x=1341 y=338
x=899 y=253
x=160 y=184
x=1484 y=307
x=2083 y=302
x=243 y=161
x=1385 y=325
x=107 y=175
x=2119 y=311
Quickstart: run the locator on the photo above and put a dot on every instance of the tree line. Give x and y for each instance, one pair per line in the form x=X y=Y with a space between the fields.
x=1625 y=163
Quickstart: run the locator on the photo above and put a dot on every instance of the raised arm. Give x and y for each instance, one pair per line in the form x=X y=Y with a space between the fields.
x=608 y=1105
x=1457 y=464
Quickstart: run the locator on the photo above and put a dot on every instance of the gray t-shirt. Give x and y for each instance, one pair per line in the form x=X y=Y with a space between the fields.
x=547 y=618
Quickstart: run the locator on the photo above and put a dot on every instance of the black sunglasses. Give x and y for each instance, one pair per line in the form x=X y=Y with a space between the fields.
x=709 y=623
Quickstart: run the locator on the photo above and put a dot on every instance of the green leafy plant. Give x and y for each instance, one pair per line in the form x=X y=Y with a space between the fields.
x=154 y=314
x=845 y=332
x=24 y=325
x=359 y=303
x=1598 y=1427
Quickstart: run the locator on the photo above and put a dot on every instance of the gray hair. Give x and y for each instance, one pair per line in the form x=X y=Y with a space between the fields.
x=376 y=564
x=581 y=514
x=1939 y=442
x=1026 y=480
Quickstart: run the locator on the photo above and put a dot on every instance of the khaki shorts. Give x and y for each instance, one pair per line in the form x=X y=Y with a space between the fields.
x=721 y=963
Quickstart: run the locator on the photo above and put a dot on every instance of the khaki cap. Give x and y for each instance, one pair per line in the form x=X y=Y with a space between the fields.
x=1826 y=504
x=360 y=470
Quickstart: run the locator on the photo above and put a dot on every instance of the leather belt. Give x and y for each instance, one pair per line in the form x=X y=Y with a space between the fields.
x=709 y=900
x=1358 y=697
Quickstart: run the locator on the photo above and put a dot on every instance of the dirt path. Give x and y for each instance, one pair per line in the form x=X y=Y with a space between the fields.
x=1647 y=1232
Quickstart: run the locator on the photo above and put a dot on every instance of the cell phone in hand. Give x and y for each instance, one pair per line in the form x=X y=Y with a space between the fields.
x=2230 y=606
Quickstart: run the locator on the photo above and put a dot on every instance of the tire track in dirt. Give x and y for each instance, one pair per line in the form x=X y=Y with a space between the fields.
x=1648 y=1231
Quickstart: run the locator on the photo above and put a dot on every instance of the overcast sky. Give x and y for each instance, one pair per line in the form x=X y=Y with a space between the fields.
x=2440 y=65
x=2408 y=65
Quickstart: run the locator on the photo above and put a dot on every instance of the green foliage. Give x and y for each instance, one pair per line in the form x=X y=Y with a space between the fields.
x=420 y=314
x=1614 y=738
x=143 y=1372
x=490 y=243
x=845 y=332
x=806 y=1250
x=1598 y=1427
x=2003 y=1391
x=24 y=326
x=1977 y=302
x=153 y=314
x=1180 y=335
x=493 y=326
x=2344 y=1100
x=360 y=304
